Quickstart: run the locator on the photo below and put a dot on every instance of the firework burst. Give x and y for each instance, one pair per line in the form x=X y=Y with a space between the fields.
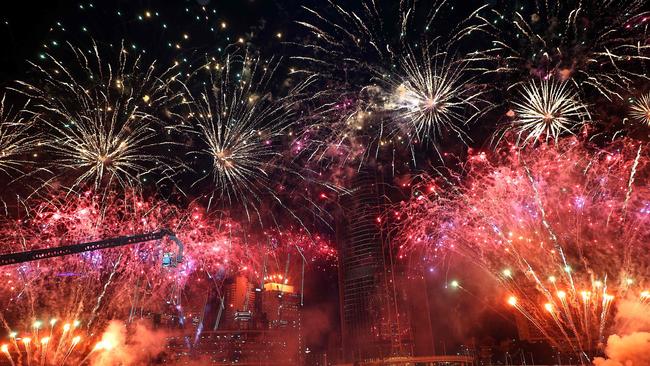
x=242 y=128
x=363 y=40
x=100 y=118
x=433 y=96
x=545 y=111
x=17 y=139
x=130 y=282
x=367 y=52
x=593 y=44
x=640 y=110
x=561 y=229
x=239 y=125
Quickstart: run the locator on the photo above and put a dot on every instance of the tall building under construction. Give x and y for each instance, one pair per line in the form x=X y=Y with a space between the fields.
x=373 y=325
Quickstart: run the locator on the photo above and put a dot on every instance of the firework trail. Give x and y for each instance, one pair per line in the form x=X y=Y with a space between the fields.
x=598 y=45
x=545 y=110
x=101 y=117
x=68 y=342
x=55 y=342
x=373 y=93
x=562 y=229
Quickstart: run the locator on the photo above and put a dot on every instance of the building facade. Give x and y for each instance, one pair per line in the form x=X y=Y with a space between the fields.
x=257 y=325
x=373 y=323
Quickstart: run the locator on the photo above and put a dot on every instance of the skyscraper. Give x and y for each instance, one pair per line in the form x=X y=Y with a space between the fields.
x=372 y=323
x=281 y=314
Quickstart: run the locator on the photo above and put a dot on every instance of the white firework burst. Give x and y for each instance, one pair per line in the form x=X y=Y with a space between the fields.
x=640 y=110
x=100 y=118
x=352 y=47
x=546 y=110
x=598 y=45
x=16 y=139
x=432 y=96
x=240 y=125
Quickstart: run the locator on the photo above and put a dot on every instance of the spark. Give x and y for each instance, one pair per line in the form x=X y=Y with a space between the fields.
x=549 y=307
x=512 y=301
x=17 y=139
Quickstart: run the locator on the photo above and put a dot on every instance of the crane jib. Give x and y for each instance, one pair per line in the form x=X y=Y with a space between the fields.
x=33 y=255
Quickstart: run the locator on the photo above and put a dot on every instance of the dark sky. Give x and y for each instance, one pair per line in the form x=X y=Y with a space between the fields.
x=27 y=26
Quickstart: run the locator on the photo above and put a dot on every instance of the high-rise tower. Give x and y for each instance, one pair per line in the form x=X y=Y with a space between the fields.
x=372 y=324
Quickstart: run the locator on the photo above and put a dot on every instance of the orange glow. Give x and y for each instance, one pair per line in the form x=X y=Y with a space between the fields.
x=552 y=279
x=272 y=286
x=512 y=300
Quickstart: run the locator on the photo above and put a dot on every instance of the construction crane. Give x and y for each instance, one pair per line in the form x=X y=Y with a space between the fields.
x=169 y=259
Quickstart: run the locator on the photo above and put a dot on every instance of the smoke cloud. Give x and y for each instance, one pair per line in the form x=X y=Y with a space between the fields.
x=628 y=350
x=137 y=345
x=632 y=348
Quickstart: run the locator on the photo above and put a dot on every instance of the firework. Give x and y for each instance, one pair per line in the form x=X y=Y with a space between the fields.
x=545 y=111
x=57 y=341
x=597 y=45
x=16 y=139
x=100 y=117
x=242 y=127
x=562 y=230
x=433 y=97
x=51 y=342
x=362 y=40
x=361 y=59
x=640 y=110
